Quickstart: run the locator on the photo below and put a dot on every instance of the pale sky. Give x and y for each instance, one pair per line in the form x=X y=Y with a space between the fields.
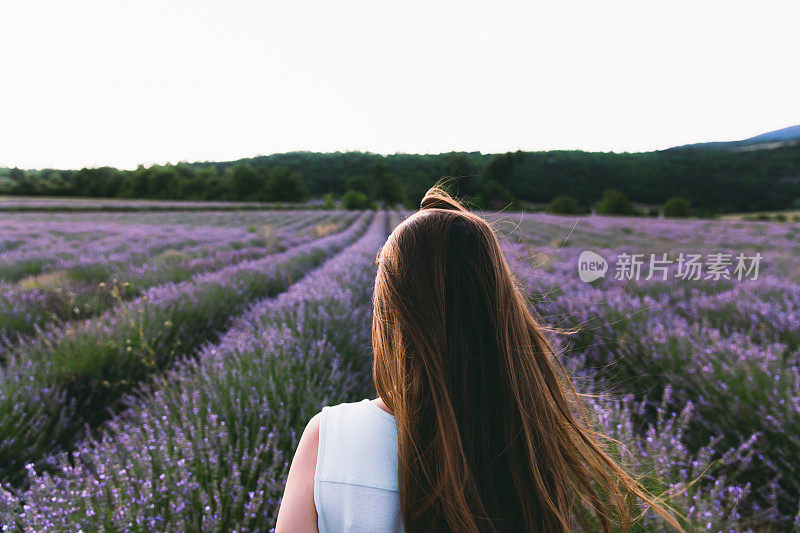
x=90 y=83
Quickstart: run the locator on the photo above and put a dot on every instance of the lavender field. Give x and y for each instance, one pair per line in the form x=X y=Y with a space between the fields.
x=157 y=368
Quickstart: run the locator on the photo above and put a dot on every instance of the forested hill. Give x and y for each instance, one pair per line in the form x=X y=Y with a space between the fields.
x=713 y=180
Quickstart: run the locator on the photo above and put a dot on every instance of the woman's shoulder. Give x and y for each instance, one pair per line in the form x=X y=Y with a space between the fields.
x=349 y=443
x=357 y=445
x=297 y=510
x=357 y=424
x=364 y=410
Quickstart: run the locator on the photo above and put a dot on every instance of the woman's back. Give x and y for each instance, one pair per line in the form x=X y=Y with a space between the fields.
x=356 y=482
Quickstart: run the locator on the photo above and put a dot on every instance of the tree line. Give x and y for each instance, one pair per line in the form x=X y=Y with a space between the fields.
x=710 y=180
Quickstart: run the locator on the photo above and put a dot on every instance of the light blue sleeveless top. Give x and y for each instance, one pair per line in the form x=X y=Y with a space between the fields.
x=355 y=483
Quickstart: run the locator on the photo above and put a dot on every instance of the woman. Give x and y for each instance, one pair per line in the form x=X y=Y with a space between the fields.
x=476 y=427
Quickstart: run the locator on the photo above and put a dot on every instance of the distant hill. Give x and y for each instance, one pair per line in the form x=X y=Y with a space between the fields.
x=786 y=134
x=774 y=139
x=735 y=177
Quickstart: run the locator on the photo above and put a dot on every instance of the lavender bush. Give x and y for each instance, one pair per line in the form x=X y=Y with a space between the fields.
x=697 y=381
x=79 y=271
x=97 y=361
x=206 y=446
x=728 y=348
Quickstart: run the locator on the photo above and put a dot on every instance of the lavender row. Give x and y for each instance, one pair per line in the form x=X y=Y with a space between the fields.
x=728 y=348
x=21 y=204
x=700 y=485
x=76 y=293
x=231 y=219
x=727 y=351
x=106 y=203
x=602 y=231
x=30 y=248
x=242 y=402
x=93 y=363
x=207 y=446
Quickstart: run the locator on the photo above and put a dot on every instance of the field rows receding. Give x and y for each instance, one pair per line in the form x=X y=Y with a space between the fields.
x=208 y=443
x=88 y=249
x=707 y=370
x=129 y=259
x=728 y=349
x=34 y=244
x=17 y=204
x=703 y=377
x=75 y=375
x=228 y=219
x=724 y=354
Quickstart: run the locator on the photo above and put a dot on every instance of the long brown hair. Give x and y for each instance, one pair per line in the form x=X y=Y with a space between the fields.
x=491 y=431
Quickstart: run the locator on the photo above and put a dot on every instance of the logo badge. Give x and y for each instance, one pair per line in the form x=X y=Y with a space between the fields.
x=591 y=266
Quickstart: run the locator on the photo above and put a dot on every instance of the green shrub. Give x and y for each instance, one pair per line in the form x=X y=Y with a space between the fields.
x=496 y=196
x=563 y=205
x=355 y=200
x=677 y=206
x=615 y=202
